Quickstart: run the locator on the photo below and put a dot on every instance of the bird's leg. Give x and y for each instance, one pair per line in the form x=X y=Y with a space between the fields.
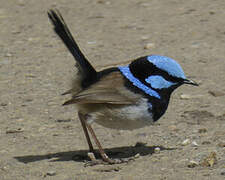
x=83 y=123
x=87 y=127
x=102 y=153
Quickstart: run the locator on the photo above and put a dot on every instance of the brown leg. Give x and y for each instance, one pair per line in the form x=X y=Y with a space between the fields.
x=102 y=153
x=83 y=123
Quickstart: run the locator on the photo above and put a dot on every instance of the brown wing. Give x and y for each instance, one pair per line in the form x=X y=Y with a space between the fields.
x=110 y=90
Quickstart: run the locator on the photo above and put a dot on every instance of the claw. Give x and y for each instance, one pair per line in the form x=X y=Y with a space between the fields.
x=106 y=161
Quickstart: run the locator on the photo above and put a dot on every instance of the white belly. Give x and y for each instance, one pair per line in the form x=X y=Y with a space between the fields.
x=122 y=117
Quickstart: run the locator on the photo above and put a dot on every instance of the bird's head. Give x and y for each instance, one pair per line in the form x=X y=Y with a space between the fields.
x=156 y=75
x=170 y=70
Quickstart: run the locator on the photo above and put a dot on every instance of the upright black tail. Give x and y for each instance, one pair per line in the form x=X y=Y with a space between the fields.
x=89 y=74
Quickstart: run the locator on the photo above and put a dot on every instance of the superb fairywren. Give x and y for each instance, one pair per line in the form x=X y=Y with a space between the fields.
x=124 y=97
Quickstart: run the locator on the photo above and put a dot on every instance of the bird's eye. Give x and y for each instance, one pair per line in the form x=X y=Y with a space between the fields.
x=158 y=82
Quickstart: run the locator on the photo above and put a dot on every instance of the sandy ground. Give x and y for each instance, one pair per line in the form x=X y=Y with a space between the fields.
x=40 y=139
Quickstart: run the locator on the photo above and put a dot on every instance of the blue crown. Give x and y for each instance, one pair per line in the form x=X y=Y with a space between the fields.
x=167 y=64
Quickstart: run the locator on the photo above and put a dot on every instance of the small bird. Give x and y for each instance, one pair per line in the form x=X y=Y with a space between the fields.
x=124 y=97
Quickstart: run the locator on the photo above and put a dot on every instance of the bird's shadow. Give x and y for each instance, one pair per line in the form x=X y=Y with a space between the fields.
x=81 y=155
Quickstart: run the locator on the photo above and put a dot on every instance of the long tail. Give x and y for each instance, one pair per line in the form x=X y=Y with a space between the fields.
x=89 y=74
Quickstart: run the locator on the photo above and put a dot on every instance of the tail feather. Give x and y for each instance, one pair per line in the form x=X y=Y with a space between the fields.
x=88 y=72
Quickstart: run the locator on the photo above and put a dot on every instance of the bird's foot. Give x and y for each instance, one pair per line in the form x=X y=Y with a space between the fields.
x=106 y=160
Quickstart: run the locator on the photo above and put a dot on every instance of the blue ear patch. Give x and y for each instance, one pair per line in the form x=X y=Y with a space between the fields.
x=158 y=82
x=167 y=64
x=125 y=70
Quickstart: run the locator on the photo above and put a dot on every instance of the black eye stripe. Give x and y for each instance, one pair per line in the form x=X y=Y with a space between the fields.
x=141 y=68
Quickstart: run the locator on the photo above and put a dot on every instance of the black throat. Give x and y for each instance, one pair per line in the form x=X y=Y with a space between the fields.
x=159 y=106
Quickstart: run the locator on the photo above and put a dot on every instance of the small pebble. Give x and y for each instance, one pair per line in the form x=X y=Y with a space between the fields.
x=157 y=150
x=192 y=164
x=194 y=143
x=149 y=46
x=137 y=156
x=8 y=55
x=185 y=96
x=186 y=142
x=91 y=42
x=51 y=173
x=188 y=96
x=144 y=38
x=19 y=130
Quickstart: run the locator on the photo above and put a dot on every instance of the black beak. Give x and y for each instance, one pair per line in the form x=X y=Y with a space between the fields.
x=187 y=81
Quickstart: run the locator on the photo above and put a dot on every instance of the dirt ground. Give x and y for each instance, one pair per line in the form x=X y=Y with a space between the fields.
x=40 y=139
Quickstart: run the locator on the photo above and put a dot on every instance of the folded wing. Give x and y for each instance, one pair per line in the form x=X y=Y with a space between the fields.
x=109 y=90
